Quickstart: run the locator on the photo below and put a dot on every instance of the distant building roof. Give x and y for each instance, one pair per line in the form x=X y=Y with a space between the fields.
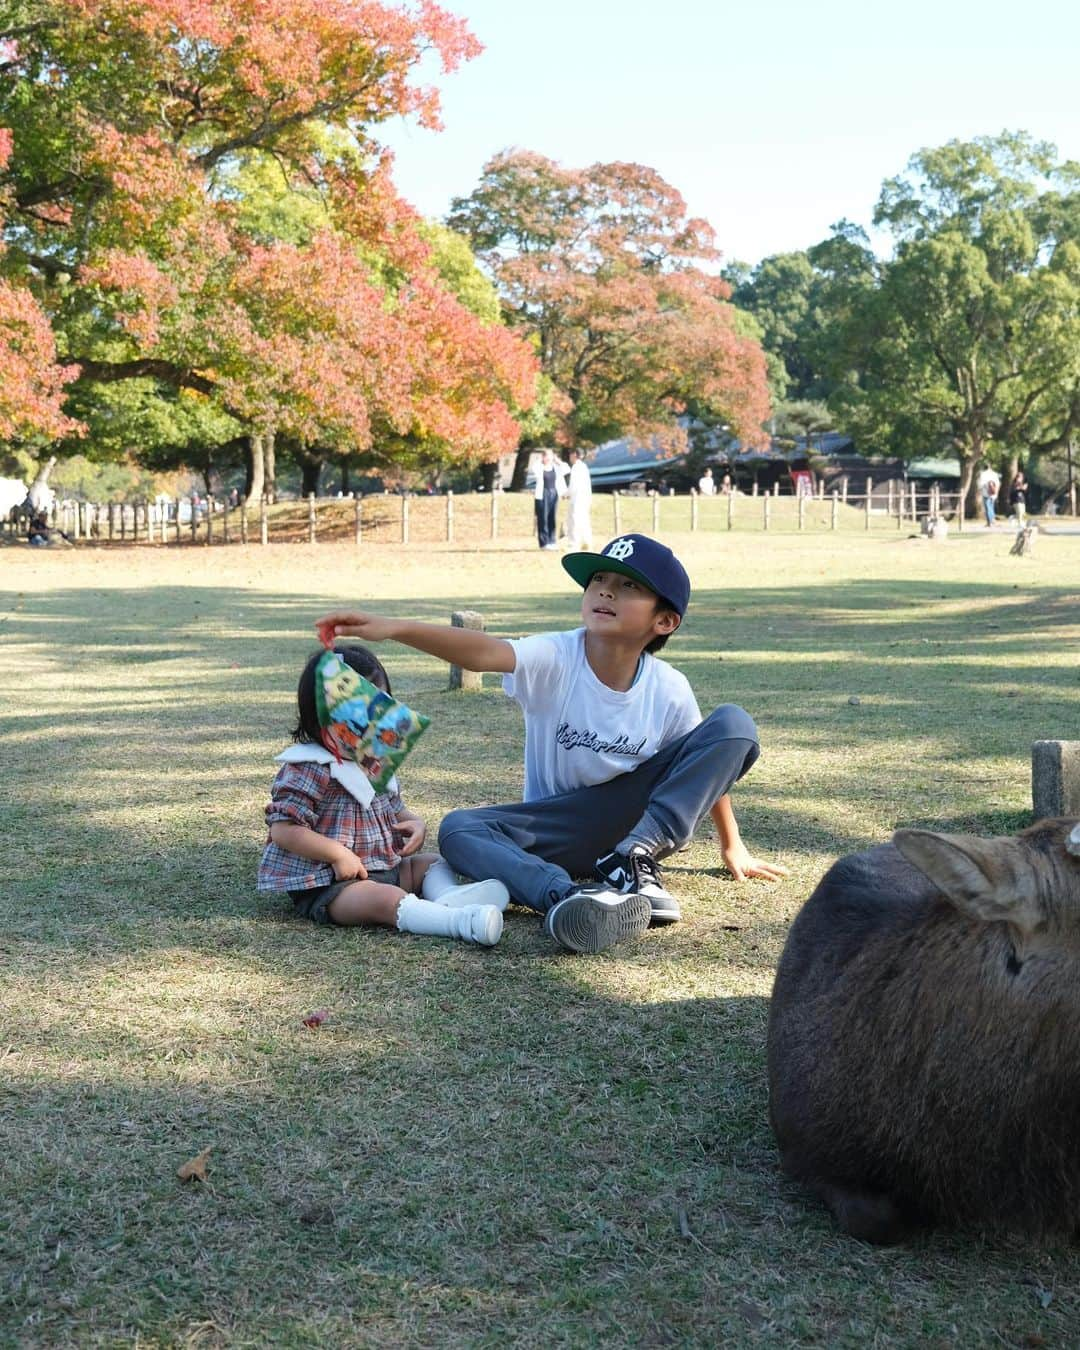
x=933 y=468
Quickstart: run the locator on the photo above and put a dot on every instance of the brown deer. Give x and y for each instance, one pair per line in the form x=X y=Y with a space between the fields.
x=924 y=1035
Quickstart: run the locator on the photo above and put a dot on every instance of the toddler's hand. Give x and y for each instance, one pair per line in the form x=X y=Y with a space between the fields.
x=349 y=868
x=412 y=834
x=353 y=623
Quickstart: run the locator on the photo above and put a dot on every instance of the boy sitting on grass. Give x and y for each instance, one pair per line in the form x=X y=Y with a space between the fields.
x=619 y=764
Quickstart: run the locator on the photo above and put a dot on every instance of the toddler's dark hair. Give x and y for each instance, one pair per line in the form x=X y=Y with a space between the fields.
x=362 y=661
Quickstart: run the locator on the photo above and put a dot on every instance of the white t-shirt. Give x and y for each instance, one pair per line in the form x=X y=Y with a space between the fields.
x=578 y=732
x=580 y=481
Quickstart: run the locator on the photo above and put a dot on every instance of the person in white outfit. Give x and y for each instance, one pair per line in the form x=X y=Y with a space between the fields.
x=579 y=521
x=707 y=484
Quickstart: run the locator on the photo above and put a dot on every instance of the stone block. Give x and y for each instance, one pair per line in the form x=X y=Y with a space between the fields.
x=1055 y=778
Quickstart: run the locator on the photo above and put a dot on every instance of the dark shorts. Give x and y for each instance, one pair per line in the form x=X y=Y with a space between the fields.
x=314 y=903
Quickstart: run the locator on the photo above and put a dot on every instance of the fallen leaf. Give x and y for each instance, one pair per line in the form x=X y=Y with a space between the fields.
x=194 y=1168
x=316 y=1018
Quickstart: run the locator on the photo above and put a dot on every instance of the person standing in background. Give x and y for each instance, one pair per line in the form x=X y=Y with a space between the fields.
x=550 y=486
x=1018 y=498
x=579 y=517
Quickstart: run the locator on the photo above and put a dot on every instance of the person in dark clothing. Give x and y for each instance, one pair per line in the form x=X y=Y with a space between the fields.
x=550 y=486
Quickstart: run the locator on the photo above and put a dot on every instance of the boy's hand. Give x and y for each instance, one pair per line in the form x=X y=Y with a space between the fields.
x=740 y=863
x=353 y=623
x=348 y=867
x=412 y=832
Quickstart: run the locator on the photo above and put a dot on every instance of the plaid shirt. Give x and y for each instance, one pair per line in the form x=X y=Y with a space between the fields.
x=305 y=794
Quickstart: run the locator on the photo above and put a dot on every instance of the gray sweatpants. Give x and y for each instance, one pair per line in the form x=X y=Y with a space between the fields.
x=535 y=848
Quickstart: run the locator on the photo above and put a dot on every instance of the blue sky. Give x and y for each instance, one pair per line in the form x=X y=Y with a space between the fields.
x=773 y=120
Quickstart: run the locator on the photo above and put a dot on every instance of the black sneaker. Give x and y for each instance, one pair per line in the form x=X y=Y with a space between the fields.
x=637 y=872
x=593 y=918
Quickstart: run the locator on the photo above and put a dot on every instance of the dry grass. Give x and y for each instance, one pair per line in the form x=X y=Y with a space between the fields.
x=479 y=1147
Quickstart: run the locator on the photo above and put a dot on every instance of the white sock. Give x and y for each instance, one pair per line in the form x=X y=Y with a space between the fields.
x=471 y=923
x=440 y=884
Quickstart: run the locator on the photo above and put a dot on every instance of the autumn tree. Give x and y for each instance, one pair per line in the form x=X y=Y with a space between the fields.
x=605 y=272
x=31 y=381
x=143 y=136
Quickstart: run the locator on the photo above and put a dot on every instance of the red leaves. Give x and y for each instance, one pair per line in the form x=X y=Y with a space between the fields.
x=332 y=335
x=603 y=267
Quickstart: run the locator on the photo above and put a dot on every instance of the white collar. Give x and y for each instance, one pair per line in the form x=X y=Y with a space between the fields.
x=349 y=774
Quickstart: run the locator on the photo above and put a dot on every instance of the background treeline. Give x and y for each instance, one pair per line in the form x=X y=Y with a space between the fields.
x=206 y=270
x=965 y=340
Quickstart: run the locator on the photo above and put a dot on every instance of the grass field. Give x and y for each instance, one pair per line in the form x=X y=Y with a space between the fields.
x=478 y=1148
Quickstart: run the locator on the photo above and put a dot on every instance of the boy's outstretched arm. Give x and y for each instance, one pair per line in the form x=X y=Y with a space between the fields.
x=737 y=857
x=460 y=646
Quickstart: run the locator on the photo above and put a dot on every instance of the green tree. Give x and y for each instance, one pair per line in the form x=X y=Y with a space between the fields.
x=969 y=337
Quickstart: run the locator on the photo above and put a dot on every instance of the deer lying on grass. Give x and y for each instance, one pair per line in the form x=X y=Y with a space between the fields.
x=924 y=1035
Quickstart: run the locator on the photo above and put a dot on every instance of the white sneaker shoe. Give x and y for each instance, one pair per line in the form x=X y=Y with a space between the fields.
x=478 y=923
x=491 y=892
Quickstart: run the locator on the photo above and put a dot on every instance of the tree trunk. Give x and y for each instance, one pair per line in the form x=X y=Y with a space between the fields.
x=521 y=467
x=255 y=476
x=345 y=476
x=39 y=493
x=488 y=474
x=1011 y=466
x=310 y=473
x=967 y=482
x=269 y=468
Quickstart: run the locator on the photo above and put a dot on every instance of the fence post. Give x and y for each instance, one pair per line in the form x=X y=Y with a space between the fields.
x=767 y=499
x=892 y=493
x=358 y=524
x=1072 y=498
x=615 y=511
x=209 y=520
x=494 y=514
x=731 y=506
x=869 y=495
x=75 y=530
x=264 y=532
x=655 y=513
x=834 y=513
x=459 y=678
x=754 y=490
x=404 y=518
x=915 y=502
x=776 y=488
x=693 y=508
x=449 y=516
x=244 y=521
x=802 y=511
x=843 y=487
x=225 y=522
x=960 y=510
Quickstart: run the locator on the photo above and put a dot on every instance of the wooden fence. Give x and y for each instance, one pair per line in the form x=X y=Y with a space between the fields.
x=475 y=517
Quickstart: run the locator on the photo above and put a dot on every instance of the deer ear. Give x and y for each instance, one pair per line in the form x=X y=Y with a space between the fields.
x=990 y=880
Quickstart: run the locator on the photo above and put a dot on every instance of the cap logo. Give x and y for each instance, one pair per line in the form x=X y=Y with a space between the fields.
x=620 y=550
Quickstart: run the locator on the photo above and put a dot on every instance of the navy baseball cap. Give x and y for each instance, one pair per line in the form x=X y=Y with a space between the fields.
x=637 y=556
